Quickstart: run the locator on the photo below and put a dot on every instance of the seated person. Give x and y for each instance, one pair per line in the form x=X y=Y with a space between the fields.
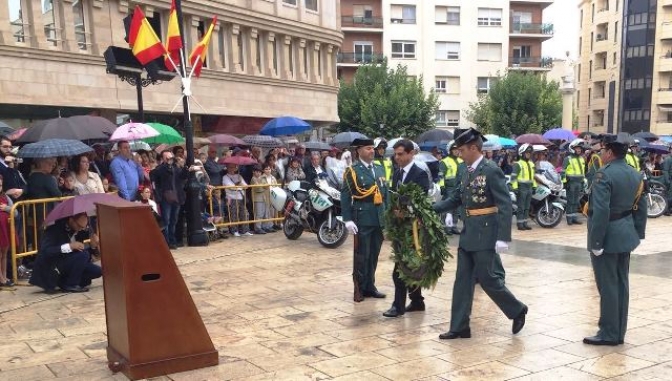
x=63 y=260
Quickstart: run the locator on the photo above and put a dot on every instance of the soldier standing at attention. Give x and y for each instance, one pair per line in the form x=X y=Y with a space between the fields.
x=574 y=172
x=363 y=204
x=524 y=184
x=616 y=222
x=449 y=175
x=487 y=231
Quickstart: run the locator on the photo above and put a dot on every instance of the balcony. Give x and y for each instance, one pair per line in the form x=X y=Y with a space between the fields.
x=665 y=32
x=602 y=16
x=665 y=64
x=530 y=63
x=543 y=3
x=530 y=30
x=395 y=20
x=664 y=96
x=599 y=102
x=602 y=43
x=354 y=59
x=361 y=22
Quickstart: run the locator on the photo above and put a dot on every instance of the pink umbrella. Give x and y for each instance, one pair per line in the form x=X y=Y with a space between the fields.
x=238 y=160
x=17 y=134
x=85 y=203
x=133 y=131
x=532 y=139
x=225 y=139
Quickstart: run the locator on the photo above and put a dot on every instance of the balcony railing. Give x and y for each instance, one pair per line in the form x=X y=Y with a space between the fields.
x=395 y=20
x=529 y=28
x=532 y=62
x=359 y=58
x=361 y=22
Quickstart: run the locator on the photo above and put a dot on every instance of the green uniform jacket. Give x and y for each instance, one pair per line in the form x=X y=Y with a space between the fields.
x=484 y=188
x=667 y=171
x=363 y=212
x=613 y=193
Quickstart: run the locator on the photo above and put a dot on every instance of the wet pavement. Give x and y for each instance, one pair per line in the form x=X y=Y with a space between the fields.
x=282 y=310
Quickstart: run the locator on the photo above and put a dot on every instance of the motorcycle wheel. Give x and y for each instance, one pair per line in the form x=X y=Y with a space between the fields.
x=548 y=218
x=332 y=238
x=657 y=205
x=292 y=229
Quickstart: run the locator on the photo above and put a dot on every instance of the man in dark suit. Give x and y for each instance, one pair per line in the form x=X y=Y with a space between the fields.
x=313 y=169
x=406 y=173
x=487 y=231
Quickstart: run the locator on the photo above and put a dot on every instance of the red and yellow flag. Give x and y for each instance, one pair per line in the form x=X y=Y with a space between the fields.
x=143 y=40
x=201 y=50
x=173 y=38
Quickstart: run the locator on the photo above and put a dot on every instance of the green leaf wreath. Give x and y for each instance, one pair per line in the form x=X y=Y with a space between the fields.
x=410 y=212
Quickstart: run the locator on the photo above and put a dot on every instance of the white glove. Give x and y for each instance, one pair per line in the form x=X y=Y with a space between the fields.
x=501 y=247
x=352 y=227
x=449 y=220
x=597 y=253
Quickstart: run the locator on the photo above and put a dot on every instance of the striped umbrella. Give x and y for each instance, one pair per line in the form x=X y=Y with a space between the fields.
x=263 y=141
x=54 y=148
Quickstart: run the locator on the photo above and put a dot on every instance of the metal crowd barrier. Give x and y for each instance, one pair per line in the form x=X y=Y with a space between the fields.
x=217 y=206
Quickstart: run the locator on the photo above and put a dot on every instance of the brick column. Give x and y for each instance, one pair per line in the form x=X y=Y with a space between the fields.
x=6 y=37
x=270 y=53
x=286 y=45
x=302 y=75
x=330 y=60
x=254 y=52
x=315 y=62
x=68 y=32
x=36 y=37
x=236 y=54
x=96 y=16
x=215 y=59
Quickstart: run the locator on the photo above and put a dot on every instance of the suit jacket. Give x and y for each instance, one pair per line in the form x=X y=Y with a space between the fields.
x=485 y=187
x=169 y=178
x=311 y=173
x=415 y=175
x=612 y=194
x=363 y=212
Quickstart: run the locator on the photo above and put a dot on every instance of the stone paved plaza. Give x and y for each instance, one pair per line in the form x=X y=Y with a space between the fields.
x=283 y=310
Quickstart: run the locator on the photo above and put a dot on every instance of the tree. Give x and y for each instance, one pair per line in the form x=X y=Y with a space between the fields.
x=389 y=97
x=518 y=103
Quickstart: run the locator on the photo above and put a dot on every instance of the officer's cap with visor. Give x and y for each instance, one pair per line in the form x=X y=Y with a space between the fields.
x=361 y=142
x=466 y=136
x=611 y=140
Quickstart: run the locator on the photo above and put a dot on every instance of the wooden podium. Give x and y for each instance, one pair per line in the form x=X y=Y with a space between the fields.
x=153 y=326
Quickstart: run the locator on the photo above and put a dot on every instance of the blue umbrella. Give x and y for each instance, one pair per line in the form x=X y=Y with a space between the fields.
x=427 y=146
x=559 y=134
x=507 y=143
x=54 y=148
x=284 y=125
x=656 y=148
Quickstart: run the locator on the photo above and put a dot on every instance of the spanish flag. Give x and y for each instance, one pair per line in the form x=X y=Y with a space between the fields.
x=201 y=50
x=173 y=39
x=145 y=44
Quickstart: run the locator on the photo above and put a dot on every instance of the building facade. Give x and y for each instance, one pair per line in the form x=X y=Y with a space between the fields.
x=266 y=58
x=623 y=71
x=430 y=38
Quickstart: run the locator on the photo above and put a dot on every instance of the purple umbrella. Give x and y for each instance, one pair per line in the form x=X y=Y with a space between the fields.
x=225 y=139
x=559 y=134
x=85 y=203
x=532 y=139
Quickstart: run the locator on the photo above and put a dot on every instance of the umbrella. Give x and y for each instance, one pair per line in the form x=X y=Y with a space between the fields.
x=284 y=125
x=133 y=131
x=54 y=148
x=201 y=140
x=136 y=145
x=226 y=140
x=85 y=203
x=317 y=146
x=5 y=129
x=626 y=137
x=532 y=139
x=428 y=145
x=290 y=140
x=263 y=141
x=17 y=134
x=507 y=143
x=81 y=127
x=667 y=139
x=434 y=135
x=657 y=148
x=167 y=135
x=238 y=160
x=559 y=134
x=389 y=151
x=345 y=139
x=646 y=135
x=491 y=146
x=539 y=148
x=425 y=157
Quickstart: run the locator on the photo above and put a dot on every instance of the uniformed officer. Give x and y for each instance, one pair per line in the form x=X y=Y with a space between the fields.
x=594 y=162
x=667 y=180
x=363 y=203
x=617 y=215
x=449 y=175
x=524 y=184
x=574 y=173
x=487 y=231
x=380 y=145
x=632 y=157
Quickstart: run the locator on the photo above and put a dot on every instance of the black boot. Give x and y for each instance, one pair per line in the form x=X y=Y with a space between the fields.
x=576 y=221
x=521 y=226
x=526 y=226
x=570 y=220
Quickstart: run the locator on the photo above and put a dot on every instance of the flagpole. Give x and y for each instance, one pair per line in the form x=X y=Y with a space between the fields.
x=196 y=236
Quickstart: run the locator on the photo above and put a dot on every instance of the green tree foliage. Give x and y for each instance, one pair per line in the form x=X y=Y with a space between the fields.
x=518 y=103
x=379 y=95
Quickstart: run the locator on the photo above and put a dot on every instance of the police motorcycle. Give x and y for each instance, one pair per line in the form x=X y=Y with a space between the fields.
x=655 y=195
x=313 y=207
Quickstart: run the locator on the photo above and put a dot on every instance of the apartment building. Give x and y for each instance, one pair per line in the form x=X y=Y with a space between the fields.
x=625 y=67
x=459 y=48
x=266 y=58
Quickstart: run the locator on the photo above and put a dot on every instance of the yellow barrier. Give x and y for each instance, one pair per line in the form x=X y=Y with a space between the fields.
x=219 y=192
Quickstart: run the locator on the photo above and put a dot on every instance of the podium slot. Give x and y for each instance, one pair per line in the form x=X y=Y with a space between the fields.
x=150 y=277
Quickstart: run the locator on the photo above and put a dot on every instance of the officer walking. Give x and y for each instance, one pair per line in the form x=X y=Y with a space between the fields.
x=449 y=175
x=487 y=231
x=574 y=172
x=524 y=184
x=363 y=204
x=616 y=222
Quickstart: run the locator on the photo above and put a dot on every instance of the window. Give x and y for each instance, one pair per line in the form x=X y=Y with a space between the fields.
x=290 y=2
x=447 y=50
x=403 y=49
x=311 y=5
x=485 y=83
x=489 y=16
x=363 y=51
x=49 y=19
x=441 y=83
x=614 y=58
x=80 y=23
x=362 y=14
x=447 y=15
x=521 y=54
x=16 y=23
x=521 y=21
x=490 y=52
x=450 y=118
x=403 y=14
x=616 y=31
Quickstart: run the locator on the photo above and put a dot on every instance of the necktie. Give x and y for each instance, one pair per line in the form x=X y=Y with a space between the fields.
x=471 y=169
x=373 y=172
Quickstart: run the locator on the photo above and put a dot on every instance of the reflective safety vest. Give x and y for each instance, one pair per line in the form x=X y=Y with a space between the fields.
x=525 y=174
x=451 y=164
x=576 y=167
x=632 y=160
x=387 y=165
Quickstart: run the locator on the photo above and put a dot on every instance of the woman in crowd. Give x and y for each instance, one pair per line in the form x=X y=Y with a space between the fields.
x=235 y=200
x=294 y=172
x=86 y=181
x=5 y=241
x=261 y=196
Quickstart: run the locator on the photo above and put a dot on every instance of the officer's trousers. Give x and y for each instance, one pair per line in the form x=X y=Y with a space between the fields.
x=574 y=192
x=369 y=241
x=523 y=201
x=612 y=279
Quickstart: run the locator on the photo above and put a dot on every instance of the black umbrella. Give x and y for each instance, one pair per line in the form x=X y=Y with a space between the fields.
x=434 y=135
x=317 y=146
x=82 y=127
x=345 y=139
x=646 y=135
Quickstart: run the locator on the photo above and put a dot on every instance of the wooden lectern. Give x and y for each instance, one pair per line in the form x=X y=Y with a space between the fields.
x=153 y=326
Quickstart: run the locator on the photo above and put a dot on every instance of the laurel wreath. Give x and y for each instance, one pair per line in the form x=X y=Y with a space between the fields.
x=419 y=241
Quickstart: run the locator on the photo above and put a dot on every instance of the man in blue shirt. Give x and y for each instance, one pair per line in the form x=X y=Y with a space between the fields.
x=126 y=173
